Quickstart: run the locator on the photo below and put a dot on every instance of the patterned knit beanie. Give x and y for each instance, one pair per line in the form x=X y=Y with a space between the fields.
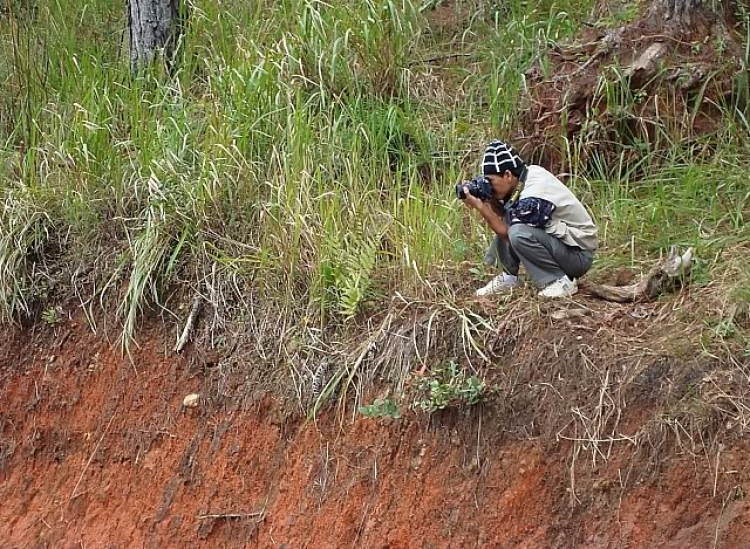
x=500 y=157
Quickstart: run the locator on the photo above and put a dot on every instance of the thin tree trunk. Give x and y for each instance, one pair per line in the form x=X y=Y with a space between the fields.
x=685 y=14
x=154 y=25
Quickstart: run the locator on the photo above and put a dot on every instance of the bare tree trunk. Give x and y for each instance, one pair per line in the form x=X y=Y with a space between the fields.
x=154 y=25
x=685 y=14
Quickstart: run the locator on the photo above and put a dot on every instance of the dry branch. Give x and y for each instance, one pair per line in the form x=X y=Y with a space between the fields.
x=663 y=277
x=190 y=324
x=257 y=514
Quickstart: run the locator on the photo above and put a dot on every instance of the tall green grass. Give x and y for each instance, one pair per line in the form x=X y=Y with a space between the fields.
x=293 y=150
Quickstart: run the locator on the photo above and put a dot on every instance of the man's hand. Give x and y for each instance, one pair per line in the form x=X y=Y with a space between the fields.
x=472 y=201
x=495 y=221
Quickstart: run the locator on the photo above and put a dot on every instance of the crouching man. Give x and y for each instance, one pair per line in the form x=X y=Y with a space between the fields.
x=538 y=223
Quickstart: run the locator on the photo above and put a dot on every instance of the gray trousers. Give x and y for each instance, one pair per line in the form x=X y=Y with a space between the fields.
x=545 y=257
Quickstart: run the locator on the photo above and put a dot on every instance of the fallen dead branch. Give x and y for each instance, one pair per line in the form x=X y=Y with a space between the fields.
x=190 y=324
x=663 y=277
x=257 y=514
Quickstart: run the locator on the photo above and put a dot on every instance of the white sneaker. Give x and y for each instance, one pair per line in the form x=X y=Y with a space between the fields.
x=562 y=287
x=501 y=283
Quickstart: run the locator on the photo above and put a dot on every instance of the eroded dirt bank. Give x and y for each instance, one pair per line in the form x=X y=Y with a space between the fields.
x=98 y=452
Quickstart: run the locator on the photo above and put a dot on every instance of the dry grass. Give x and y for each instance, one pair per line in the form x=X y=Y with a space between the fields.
x=644 y=379
x=348 y=280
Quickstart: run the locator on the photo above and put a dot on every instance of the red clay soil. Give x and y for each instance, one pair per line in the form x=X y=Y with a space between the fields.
x=98 y=452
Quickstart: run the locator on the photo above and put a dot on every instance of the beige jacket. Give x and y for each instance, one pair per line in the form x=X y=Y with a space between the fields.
x=570 y=221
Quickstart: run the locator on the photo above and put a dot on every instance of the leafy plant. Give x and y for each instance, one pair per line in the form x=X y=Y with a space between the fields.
x=381 y=407
x=347 y=272
x=50 y=316
x=449 y=386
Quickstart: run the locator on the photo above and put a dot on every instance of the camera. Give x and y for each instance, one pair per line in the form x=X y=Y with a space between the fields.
x=479 y=186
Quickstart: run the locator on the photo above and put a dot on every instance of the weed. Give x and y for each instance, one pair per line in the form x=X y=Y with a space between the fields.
x=50 y=316
x=381 y=408
x=449 y=386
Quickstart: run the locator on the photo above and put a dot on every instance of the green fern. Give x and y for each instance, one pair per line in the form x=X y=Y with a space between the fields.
x=355 y=284
x=346 y=269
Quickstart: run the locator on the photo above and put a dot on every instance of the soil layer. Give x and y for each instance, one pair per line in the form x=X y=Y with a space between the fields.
x=99 y=451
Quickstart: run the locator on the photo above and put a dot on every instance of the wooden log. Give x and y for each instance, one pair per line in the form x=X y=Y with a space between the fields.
x=663 y=277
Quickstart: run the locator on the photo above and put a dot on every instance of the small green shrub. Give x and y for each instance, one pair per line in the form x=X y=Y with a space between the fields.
x=381 y=407
x=447 y=387
x=50 y=316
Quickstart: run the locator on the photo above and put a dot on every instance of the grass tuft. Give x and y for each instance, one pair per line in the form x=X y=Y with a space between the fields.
x=305 y=153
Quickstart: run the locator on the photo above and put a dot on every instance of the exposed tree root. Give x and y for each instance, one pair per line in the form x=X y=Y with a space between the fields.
x=607 y=92
x=662 y=278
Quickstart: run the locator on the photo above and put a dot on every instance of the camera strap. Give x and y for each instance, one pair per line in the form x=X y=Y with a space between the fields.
x=521 y=184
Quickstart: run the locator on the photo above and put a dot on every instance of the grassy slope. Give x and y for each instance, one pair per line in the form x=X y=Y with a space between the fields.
x=306 y=153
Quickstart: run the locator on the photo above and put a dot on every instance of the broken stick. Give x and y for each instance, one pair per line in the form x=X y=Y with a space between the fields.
x=257 y=514
x=661 y=278
x=190 y=324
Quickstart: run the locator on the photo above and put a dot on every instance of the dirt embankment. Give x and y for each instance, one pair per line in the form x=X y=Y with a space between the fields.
x=98 y=452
